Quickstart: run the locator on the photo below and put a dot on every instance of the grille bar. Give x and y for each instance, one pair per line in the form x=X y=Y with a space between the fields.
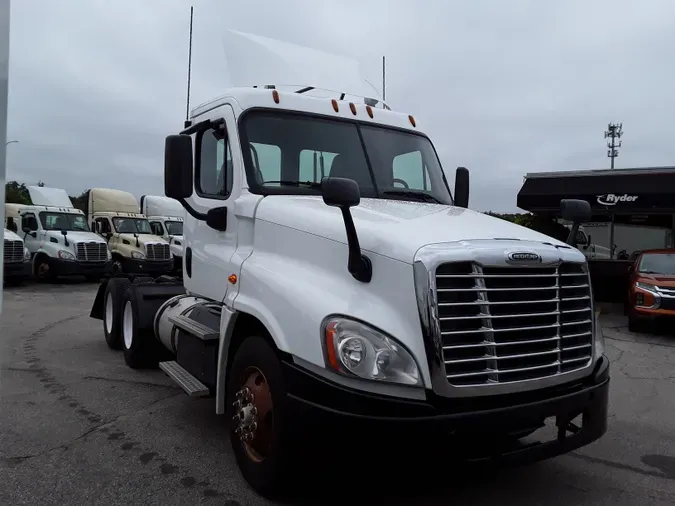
x=157 y=252
x=91 y=251
x=509 y=324
x=13 y=252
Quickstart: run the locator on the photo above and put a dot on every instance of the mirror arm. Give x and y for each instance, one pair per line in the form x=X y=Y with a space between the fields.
x=358 y=264
x=572 y=237
x=192 y=211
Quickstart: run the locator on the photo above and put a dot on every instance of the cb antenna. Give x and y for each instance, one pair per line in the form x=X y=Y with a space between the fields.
x=187 y=106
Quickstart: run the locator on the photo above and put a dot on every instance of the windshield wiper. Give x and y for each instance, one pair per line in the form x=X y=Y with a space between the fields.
x=308 y=184
x=415 y=194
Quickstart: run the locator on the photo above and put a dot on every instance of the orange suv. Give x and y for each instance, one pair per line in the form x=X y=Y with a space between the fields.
x=651 y=295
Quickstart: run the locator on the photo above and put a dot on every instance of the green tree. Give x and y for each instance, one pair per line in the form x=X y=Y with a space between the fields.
x=81 y=201
x=16 y=193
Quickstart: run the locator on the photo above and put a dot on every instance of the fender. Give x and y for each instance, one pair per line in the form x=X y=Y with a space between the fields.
x=228 y=319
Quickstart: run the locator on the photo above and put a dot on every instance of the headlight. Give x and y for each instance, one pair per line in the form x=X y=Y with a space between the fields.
x=108 y=254
x=355 y=349
x=651 y=299
x=66 y=255
x=26 y=254
x=137 y=255
x=599 y=337
x=645 y=286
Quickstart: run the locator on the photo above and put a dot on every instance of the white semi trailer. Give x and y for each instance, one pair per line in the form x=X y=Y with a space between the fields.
x=371 y=294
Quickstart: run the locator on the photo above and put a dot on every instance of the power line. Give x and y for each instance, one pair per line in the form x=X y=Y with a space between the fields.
x=614 y=131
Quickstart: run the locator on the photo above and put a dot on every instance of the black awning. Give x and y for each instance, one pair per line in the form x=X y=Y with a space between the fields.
x=620 y=191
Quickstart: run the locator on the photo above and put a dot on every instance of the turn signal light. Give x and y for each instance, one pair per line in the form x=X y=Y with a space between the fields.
x=232 y=278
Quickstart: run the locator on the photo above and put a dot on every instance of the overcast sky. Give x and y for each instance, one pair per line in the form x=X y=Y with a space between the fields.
x=504 y=87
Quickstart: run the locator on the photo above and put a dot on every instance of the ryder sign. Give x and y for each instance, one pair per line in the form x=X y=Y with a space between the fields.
x=612 y=199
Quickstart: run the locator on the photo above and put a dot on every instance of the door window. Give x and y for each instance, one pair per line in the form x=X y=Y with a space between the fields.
x=409 y=171
x=214 y=164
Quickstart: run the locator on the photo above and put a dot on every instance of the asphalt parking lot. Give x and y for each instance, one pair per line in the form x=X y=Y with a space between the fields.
x=78 y=427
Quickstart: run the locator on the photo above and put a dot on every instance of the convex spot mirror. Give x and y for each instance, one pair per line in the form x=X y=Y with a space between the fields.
x=575 y=210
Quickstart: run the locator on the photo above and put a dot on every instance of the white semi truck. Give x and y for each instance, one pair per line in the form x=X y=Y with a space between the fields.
x=116 y=216
x=16 y=259
x=166 y=220
x=57 y=236
x=371 y=294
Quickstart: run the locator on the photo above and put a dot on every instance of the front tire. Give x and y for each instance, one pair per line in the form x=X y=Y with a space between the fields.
x=259 y=429
x=43 y=271
x=112 y=311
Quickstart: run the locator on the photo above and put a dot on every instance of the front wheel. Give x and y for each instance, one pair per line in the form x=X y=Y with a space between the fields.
x=259 y=428
x=43 y=270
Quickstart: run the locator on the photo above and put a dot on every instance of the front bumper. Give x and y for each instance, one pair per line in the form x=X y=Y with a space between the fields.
x=17 y=269
x=74 y=268
x=464 y=419
x=133 y=266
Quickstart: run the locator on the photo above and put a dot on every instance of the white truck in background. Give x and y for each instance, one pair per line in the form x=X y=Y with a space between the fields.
x=166 y=220
x=371 y=297
x=57 y=236
x=592 y=251
x=116 y=216
x=16 y=259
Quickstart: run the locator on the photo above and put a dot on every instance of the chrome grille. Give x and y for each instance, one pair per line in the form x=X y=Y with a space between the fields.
x=508 y=324
x=13 y=251
x=92 y=251
x=157 y=252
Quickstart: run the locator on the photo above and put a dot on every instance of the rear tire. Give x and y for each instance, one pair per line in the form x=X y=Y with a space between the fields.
x=141 y=349
x=269 y=467
x=112 y=311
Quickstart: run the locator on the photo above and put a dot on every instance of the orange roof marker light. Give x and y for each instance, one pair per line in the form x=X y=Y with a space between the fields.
x=353 y=108
x=335 y=105
x=412 y=120
x=370 y=111
x=275 y=96
x=232 y=278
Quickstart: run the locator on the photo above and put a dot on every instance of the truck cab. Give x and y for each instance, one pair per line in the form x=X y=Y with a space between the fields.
x=330 y=273
x=115 y=215
x=58 y=237
x=590 y=250
x=166 y=220
x=16 y=259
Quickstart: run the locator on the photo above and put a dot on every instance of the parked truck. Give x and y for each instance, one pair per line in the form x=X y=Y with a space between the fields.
x=16 y=259
x=57 y=236
x=116 y=216
x=371 y=294
x=166 y=220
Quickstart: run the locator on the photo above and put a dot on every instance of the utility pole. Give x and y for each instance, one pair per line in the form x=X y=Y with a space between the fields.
x=614 y=131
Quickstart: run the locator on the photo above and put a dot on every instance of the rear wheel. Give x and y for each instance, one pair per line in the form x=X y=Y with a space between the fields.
x=112 y=311
x=141 y=349
x=259 y=429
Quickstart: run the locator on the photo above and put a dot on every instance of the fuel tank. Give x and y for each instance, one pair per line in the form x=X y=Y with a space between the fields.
x=181 y=305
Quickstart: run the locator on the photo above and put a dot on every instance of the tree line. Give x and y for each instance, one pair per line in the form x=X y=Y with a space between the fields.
x=17 y=193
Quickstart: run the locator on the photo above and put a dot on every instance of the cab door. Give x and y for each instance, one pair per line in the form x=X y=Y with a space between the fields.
x=217 y=185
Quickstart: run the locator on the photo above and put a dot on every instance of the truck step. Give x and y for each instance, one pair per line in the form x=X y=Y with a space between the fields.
x=192 y=386
x=194 y=328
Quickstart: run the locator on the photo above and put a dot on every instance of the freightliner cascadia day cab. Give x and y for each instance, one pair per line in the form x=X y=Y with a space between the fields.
x=116 y=216
x=372 y=293
x=166 y=220
x=58 y=237
x=16 y=259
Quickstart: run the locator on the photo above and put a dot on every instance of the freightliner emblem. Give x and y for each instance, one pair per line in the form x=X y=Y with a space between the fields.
x=524 y=256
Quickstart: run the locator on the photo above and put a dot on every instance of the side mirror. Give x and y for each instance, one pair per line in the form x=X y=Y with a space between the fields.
x=344 y=194
x=575 y=210
x=64 y=232
x=178 y=166
x=588 y=240
x=340 y=192
x=462 y=187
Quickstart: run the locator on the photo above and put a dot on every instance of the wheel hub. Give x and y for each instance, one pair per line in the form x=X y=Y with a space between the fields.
x=253 y=421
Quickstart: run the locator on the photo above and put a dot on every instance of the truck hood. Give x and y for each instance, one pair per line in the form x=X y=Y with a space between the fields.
x=11 y=236
x=75 y=237
x=392 y=228
x=143 y=239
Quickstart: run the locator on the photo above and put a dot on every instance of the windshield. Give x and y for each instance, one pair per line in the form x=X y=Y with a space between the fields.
x=174 y=227
x=64 y=221
x=291 y=153
x=132 y=226
x=658 y=263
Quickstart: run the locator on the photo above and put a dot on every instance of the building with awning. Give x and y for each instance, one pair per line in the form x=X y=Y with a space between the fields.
x=638 y=196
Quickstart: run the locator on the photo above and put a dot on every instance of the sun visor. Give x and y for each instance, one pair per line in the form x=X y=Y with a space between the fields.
x=43 y=196
x=253 y=60
x=105 y=200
